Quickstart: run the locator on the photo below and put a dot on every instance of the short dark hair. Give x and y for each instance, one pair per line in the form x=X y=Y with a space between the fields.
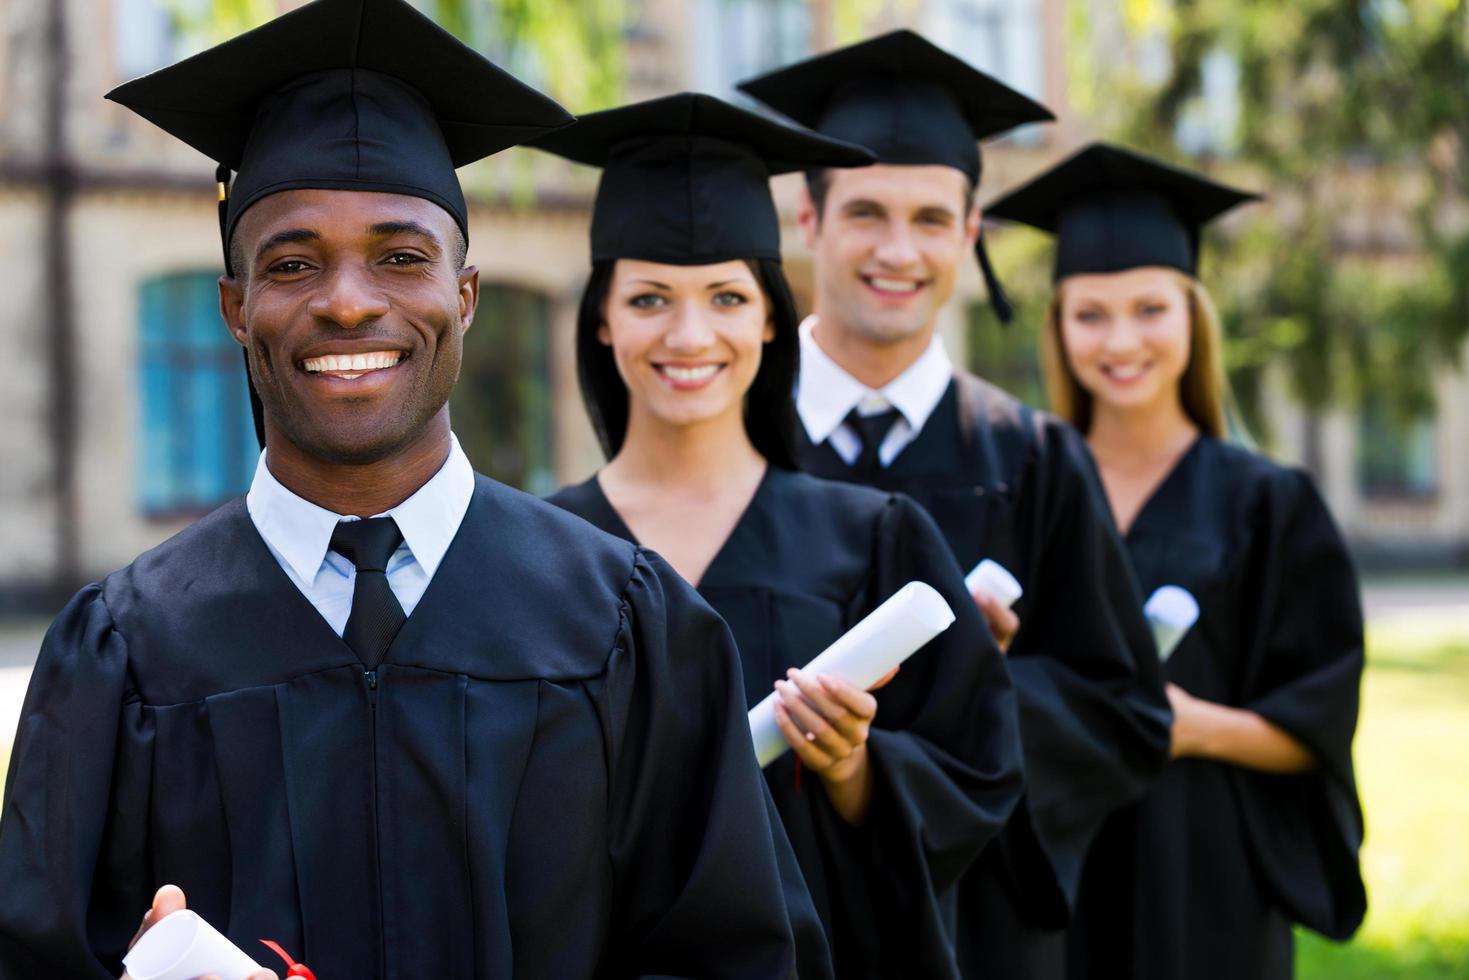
x=770 y=405
x=818 y=183
x=239 y=267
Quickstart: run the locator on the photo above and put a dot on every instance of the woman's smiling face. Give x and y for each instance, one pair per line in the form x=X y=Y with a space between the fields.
x=1127 y=335
x=687 y=340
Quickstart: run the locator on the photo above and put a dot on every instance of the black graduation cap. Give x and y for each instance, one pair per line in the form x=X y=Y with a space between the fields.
x=907 y=100
x=357 y=95
x=1112 y=209
x=686 y=178
x=366 y=95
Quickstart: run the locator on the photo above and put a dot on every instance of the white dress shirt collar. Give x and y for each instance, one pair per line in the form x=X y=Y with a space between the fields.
x=300 y=532
x=826 y=393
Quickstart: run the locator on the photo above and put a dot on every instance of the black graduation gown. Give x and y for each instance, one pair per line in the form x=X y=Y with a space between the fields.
x=1005 y=482
x=549 y=776
x=1203 y=877
x=806 y=561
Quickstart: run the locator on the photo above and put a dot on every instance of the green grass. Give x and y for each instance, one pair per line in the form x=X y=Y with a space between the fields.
x=1411 y=764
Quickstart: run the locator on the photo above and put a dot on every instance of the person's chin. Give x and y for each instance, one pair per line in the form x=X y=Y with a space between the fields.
x=1131 y=399
x=888 y=326
x=684 y=410
x=355 y=441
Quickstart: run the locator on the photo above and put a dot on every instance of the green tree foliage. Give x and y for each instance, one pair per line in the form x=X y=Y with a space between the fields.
x=1354 y=116
x=570 y=48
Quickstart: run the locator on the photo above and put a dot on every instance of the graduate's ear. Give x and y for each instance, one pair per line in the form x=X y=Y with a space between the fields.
x=232 y=307
x=604 y=335
x=468 y=295
x=808 y=217
x=971 y=225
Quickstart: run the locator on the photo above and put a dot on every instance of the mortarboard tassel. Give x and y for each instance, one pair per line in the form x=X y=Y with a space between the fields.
x=222 y=183
x=998 y=300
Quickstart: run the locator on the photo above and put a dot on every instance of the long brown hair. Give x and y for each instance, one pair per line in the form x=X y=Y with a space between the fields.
x=1203 y=388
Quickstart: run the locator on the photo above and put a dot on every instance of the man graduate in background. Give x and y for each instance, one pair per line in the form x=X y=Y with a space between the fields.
x=880 y=403
x=392 y=715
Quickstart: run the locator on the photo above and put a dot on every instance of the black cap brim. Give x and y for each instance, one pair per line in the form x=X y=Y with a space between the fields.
x=1100 y=167
x=1112 y=209
x=593 y=138
x=686 y=178
x=210 y=100
x=805 y=90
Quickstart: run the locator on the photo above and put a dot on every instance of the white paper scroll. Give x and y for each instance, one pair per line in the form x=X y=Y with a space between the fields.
x=992 y=577
x=182 y=946
x=886 y=637
x=1172 y=612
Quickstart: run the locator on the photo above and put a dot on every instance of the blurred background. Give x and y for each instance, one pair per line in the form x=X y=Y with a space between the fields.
x=1345 y=295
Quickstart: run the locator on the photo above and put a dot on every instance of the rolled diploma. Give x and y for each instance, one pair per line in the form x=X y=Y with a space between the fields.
x=992 y=577
x=182 y=946
x=884 y=638
x=1172 y=612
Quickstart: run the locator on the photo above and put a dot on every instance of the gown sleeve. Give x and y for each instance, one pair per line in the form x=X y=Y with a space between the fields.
x=697 y=889
x=73 y=829
x=945 y=748
x=1306 y=669
x=1093 y=712
x=813 y=953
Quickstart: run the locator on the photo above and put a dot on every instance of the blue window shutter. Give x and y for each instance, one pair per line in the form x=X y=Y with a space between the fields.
x=196 y=447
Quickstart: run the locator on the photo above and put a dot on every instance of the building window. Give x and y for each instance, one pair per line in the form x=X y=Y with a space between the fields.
x=1209 y=123
x=197 y=443
x=501 y=408
x=1005 y=356
x=1396 y=457
x=735 y=39
x=1003 y=38
x=144 y=38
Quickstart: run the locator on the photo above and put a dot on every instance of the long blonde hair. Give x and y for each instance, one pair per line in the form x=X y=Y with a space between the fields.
x=1203 y=389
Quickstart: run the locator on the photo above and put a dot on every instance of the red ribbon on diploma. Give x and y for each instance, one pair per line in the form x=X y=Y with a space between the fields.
x=294 y=969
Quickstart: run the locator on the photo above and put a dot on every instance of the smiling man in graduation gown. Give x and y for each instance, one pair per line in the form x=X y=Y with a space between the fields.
x=390 y=714
x=880 y=403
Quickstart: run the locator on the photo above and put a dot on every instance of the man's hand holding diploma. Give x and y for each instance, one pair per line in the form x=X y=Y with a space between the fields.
x=994 y=590
x=167 y=900
x=1003 y=622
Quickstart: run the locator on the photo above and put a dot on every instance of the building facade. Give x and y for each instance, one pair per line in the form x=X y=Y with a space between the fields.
x=123 y=394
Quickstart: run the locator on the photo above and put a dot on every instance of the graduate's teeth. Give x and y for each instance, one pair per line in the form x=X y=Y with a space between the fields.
x=894 y=285
x=358 y=364
x=1126 y=373
x=699 y=373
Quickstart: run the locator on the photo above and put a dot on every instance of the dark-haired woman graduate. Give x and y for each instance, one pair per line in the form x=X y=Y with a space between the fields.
x=687 y=352
x=1255 y=824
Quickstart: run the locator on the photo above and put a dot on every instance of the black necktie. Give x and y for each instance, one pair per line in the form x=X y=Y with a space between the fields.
x=871 y=430
x=376 y=616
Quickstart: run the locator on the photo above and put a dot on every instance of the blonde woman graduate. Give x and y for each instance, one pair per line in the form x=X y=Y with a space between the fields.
x=1255 y=825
